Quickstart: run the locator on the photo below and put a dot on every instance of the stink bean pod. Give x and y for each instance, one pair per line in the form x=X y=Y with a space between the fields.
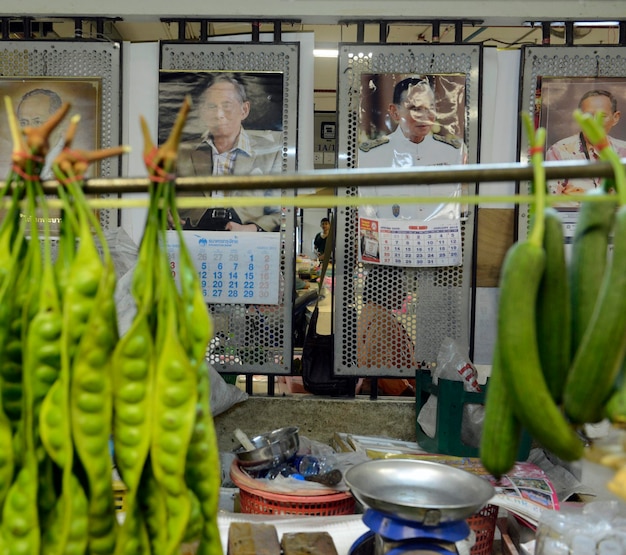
x=153 y=507
x=172 y=430
x=85 y=275
x=22 y=295
x=196 y=321
x=6 y=456
x=43 y=350
x=11 y=367
x=54 y=424
x=203 y=467
x=91 y=413
x=131 y=368
x=132 y=537
x=20 y=521
x=202 y=473
x=196 y=519
x=72 y=540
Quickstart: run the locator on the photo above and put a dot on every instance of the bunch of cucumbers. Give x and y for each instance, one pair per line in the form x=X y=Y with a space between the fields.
x=69 y=383
x=561 y=324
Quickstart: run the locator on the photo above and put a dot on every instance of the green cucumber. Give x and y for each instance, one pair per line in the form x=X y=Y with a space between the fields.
x=601 y=352
x=501 y=433
x=519 y=353
x=588 y=260
x=553 y=308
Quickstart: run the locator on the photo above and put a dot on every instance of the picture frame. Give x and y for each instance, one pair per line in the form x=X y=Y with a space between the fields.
x=377 y=95
x=248 y=110
x=84 y=95
x=437 y=127
x=552 y=82
x=556 y=100
x=264 y=90
x=34 y=100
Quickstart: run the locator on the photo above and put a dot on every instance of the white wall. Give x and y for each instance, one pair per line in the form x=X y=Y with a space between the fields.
x=498 y=144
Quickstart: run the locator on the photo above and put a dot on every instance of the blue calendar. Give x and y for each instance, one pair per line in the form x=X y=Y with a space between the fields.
x=234 y=268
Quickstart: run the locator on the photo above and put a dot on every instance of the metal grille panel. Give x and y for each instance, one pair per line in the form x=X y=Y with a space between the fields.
x=253 y=339
x=559 y=61
x=83 y=58
x=439 y=298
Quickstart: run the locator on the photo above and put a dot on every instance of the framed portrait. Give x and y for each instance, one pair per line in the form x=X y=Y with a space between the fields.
x=412 y=120
x=556 y=100
x=555 y=81
x=34 y=100
x=377 y=95
x=234 y=127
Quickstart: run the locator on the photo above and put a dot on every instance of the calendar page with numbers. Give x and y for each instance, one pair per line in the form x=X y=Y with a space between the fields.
x=233 y=267
x=411 y=243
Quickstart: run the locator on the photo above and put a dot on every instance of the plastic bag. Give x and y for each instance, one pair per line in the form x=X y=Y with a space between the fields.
x=453 y=364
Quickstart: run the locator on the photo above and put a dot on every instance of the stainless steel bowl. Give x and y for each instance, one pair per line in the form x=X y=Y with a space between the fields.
x=271 y=449
x=420 y=491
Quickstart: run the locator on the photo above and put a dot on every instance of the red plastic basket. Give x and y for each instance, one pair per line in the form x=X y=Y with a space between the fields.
x=483 y=523
x=254 y=500
x=263 y=502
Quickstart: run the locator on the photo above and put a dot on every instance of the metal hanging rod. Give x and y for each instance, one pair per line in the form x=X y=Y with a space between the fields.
x=318 y=179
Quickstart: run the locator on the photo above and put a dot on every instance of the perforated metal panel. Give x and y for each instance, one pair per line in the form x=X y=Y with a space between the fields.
x=253 y=339
x=437 y=305
x=70 y=59
x=566 y=62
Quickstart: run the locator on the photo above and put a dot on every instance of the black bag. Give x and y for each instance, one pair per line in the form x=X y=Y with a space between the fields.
x=318 y=351
x=318 y=355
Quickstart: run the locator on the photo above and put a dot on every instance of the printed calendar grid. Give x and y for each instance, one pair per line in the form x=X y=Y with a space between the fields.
x=233 y=268
x=410 y=243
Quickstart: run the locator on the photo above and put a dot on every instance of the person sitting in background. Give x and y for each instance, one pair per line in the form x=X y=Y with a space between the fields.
x=382 y=340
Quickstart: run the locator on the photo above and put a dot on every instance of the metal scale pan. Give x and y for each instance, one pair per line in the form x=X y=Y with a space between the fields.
x=424 y=492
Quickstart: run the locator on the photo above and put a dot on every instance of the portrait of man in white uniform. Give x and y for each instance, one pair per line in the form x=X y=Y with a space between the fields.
x=417 y=135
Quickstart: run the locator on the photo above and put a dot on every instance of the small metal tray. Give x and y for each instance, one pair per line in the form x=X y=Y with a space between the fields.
x=419 y=491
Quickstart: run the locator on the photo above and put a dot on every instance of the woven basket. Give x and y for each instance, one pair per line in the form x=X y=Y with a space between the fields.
x=483 y=523
x=261 y=500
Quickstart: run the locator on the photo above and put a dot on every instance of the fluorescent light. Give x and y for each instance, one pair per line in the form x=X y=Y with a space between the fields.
x=325 y=52
x=576 y=23
x=596 y=23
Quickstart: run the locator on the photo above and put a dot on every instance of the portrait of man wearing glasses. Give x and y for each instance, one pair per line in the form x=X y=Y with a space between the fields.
x=578 y=146
x=227 y=148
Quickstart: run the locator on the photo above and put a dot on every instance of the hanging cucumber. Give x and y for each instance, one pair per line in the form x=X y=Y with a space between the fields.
x=553 y=307
x=589 y=258
x=501 y=433
x=601 y=352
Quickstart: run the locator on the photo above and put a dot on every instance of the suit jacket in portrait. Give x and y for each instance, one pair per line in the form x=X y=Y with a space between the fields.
x=265 y=157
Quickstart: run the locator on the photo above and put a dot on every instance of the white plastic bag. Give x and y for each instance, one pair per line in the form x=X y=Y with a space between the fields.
x=453 y=364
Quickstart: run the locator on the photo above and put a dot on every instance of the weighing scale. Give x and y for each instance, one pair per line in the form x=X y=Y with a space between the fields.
x=414 y=507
